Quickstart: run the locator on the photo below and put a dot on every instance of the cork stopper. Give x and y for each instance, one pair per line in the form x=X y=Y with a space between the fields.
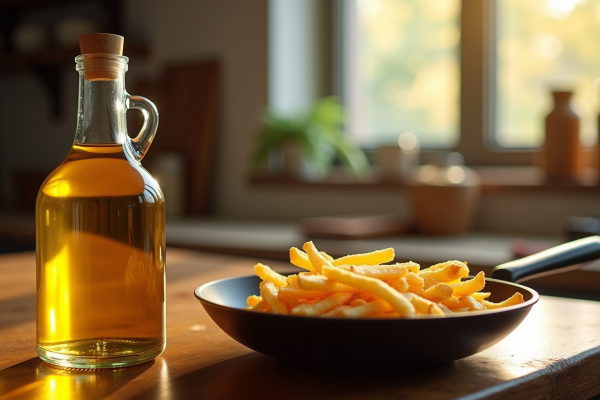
x=100 y=43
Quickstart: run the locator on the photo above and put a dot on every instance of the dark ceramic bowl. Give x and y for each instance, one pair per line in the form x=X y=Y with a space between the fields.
x=339 y=344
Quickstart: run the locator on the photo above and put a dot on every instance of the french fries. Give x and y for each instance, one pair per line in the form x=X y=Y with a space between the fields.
x=267 y=274
x=317 y=260
x=294 y=295
x=373 y=258
x=322 y=283
x=437 y=292
x=401 y=285
x=461 y=265
x=261 y=306
x=425 y=306
x=516 y=298
x=469 y=287
x=364 y=286
x=449 y=272
x=300 y=259
x=253 y=300
x=363 y=310
x=472 y=304
x=415 y=282
x=396 y=300
x=378 y=271
x=268 y=291
x=322 y=306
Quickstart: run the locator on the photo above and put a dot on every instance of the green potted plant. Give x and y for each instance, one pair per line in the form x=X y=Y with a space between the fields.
x=317 y=135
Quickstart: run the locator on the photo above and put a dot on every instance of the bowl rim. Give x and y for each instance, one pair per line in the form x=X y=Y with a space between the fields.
x=526 y=304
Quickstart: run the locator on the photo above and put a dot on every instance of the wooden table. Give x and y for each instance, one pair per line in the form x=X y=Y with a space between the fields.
x=554 y=354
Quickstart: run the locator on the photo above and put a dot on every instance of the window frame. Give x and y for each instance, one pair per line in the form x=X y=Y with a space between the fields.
x=478 y=62
x=477 y=57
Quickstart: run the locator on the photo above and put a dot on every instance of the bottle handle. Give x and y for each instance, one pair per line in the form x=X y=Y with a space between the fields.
x=140 y=144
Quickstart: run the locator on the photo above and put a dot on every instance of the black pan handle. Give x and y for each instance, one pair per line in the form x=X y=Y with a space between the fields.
x=564 y=255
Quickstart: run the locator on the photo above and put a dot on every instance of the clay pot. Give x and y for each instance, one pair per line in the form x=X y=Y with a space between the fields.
x=561 y=152
x=444 y=199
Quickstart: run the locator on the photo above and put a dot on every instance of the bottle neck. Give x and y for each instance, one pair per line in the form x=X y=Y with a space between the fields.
x=101 y=116
x=562 y=98
x=103 y=104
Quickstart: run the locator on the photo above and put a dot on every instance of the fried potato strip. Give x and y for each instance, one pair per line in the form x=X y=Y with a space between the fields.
x=471 y=304
x=267 y=274
x=397 y=301
x=316 y=259
x=424 y=306
x=415 y=282
x=379 y=271
x=261 y=306
x=480 y=296
x=469 y=287
x=319 y=282
x=437 y=293
x=515 y=299
x=401 y=285
x=373 y=258
x=336 y=312
x=462 y=265
x=268 y=291
x=253 y=300
x=293 y=295
x=451 y=302
x=322 y=306
x=300 y=259
x=374 y=307
x=447 y=273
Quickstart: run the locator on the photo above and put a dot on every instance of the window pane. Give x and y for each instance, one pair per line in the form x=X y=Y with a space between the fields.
x=541 y=45
x=404 y=71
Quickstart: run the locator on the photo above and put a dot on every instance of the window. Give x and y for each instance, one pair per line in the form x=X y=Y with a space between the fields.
x=472 y=76
x=543 y=45
x=403 y=70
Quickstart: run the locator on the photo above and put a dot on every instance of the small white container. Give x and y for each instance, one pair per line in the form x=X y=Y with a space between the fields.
x=397 y=162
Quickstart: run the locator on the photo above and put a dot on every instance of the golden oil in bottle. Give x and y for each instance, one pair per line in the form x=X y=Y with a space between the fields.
x=101 y=264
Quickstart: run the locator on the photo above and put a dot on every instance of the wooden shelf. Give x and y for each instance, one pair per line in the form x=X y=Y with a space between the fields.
x=493 y=180
x=52 y=57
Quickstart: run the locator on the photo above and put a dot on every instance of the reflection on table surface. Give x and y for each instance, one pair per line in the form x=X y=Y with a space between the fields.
x=35 y=379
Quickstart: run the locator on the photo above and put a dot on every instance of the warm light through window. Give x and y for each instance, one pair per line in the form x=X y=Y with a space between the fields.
x=403 y=71
x=543 y=45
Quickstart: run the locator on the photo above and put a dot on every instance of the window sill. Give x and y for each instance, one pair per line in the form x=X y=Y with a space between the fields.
x=505 y=179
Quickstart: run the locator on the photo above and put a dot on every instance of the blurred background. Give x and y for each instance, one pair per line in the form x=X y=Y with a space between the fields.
x=471 y=77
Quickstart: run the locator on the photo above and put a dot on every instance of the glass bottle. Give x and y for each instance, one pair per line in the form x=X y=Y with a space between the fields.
x=100 y=232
